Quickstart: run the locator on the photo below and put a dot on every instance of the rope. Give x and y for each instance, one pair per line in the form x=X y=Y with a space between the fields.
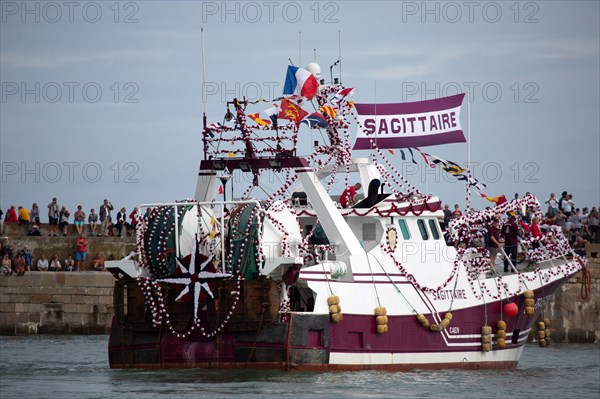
x=586 y=283
x=373 y=280
x=326 y=277
x=395 y=286
x=454 y=290
x=484 y=303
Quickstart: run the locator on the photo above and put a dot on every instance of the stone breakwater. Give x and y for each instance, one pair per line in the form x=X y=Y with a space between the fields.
x=572 y=318
x=82 y=302
x=56 y=303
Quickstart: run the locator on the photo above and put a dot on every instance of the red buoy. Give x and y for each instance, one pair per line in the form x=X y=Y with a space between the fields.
x=510 y=309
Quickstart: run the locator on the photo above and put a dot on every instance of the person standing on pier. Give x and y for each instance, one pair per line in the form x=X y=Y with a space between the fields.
x=105 y=218
x=80 y=252
x=52 y=217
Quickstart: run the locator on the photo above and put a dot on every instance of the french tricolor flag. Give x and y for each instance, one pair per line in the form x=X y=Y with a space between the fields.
x=301 y=82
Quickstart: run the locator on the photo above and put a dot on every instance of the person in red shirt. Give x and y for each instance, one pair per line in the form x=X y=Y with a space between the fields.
x=347 y=197
x=535 y=231
x=134 y=219
x=11 y=215
x=456 y=213
x=80 y=252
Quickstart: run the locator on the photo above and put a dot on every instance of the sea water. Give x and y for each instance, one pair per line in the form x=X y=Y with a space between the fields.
x=64 y=367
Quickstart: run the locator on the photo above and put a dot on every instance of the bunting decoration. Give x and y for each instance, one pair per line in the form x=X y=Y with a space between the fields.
x=412 y=156
x=273 y=114
x=328 y=111
x=315 y=120
x=453 y=169
x=259 y=121
x=499 y=200
x=291 y=111
x=341 y=96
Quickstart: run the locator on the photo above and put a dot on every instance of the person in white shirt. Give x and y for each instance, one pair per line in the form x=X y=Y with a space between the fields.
x=42 y=263
x=552 y=202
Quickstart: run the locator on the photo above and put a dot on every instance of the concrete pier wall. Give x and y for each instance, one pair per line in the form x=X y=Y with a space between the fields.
x=81 y=302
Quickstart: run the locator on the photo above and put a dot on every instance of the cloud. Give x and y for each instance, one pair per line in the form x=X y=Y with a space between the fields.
x=46 y=61
x=415 y=62
x=568 y=49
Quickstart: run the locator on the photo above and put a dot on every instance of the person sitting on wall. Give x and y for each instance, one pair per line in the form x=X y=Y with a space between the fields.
x=27 y=256
x=19 y=265
x=69 y=264
x=6 y=265
x=93 y=221
x=24 y=216
x=347 y=199
x=55 y=265
x=11 y=215
x=42 y=263
x=122 y=221
x=98 y=263
x=33 y=230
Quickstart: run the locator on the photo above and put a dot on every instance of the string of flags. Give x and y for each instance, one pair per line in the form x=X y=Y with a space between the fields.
x=452 y=168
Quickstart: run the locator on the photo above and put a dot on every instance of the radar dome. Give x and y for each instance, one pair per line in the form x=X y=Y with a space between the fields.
x=315 y=69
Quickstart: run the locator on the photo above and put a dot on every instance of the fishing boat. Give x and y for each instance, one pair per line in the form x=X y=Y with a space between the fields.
x=293 y=280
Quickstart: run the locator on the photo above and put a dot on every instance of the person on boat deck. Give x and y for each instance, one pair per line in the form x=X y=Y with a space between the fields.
x=447 y=216
x=494 y=243
x=510 y=232
x=456 y=213
x=347 y=198
x=535 y=231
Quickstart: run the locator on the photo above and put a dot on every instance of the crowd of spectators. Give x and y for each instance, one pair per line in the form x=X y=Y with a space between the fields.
x=505 y=236
x=94 y=224
x=580 y=225
x=18 y=261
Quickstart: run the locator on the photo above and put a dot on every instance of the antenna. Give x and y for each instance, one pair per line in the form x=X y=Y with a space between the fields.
x=331 y=70
x=203 y=75
x=299 y=48
x=314 y=55
x=340 y=53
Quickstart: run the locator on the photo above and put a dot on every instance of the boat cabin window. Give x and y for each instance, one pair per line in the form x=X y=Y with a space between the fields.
x=434 y=230
x=369 y=232
x=423 y=229
x=404 y=229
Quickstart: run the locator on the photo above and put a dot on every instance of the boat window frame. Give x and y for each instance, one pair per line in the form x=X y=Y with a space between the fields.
x=404 y=229
x=435 y=233
x=423 y=229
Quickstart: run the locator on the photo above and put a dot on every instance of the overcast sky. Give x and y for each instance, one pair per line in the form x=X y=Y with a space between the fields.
x=104 y=99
